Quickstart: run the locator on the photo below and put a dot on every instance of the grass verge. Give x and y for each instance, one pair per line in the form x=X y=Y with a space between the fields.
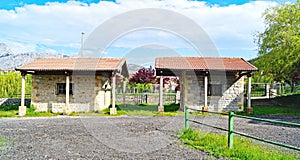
x=216 y=144
x=274 y=110
x=12 y=111
x=130 y=110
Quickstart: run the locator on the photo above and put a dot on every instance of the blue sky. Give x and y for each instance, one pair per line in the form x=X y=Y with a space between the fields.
x=11 y=4
x=56 y=25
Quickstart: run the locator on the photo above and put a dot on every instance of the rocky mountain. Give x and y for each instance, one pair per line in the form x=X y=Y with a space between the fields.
x=9 y=60
x=134 y=68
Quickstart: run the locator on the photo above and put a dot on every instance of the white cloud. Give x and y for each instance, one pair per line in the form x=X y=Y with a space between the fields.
x=57 y=24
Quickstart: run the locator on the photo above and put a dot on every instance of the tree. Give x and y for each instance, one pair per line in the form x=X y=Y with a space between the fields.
x=143 y=79
x=10 y=84
x=143 y=75
x=279 y=44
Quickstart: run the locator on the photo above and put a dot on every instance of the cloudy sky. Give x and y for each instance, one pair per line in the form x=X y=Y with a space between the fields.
x=56 y=25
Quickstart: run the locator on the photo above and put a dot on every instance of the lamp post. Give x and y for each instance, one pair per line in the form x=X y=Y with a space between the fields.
x=81 y=48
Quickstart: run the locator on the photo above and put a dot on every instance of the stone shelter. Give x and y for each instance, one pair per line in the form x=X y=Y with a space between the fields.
x=72 y=84
x=214 y=84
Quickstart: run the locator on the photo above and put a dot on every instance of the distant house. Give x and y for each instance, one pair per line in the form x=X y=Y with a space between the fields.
x=75 y=84
x=216 y=83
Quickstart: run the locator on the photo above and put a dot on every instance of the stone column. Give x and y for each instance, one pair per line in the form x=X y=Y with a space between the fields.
x=205 y=90
x=66 y=110
x=205 y=107
x=22 y=108
x=249 y=108
x=267 y=90
x=113 y=109
x=124 y=92
x=161 y=106
x=182 y=90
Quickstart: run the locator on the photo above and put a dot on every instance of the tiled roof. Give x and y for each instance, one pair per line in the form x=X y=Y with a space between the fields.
x=73 y=64
x=203 y=64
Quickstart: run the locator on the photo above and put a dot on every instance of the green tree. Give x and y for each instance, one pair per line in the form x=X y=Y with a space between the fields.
x=279 y=43
x=10 y=84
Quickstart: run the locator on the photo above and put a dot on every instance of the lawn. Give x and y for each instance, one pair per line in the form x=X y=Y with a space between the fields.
x=280 y=106
x=144 y=110
x=130 y=110
x=216 y=144
x=276 y=110
x=12 y=111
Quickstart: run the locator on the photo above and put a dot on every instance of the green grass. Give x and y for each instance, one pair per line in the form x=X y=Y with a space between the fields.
x=130 y=110
x=2 y=142
x=12 y=111
x=216 y=144
x=276 y=110
x=286 y=106
x=289 y=100
x=30 y=112
x=151 y=110
x=74 y=114
x=139 y=110
x=9 y=111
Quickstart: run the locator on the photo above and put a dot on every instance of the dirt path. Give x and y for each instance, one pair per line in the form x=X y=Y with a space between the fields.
x=117 y=137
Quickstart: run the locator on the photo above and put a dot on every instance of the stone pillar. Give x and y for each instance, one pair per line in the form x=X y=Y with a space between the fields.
x=161 y=106
x=182 y=90
x=22 y=108
x=205 y=107
x=124 y=92
x=249 y=108
x=113 y=109
x=66 y=110
x=205 y=90
x=267 y=90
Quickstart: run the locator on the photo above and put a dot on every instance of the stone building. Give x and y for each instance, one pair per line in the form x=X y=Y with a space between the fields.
x=214 y=83
x=73 y=84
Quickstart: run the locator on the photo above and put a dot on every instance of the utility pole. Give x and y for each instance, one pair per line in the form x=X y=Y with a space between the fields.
x=81 y=48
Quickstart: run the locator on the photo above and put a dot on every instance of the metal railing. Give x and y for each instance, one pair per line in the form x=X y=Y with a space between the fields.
x=231 y=130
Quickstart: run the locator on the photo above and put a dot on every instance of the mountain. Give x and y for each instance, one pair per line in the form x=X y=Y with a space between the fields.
x=4 y=50
x=9 y=60
x=134 y=68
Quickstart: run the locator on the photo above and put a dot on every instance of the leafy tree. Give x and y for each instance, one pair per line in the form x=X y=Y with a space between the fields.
x=10 y=84
x=279 y=44
x=143 y=79
x=143 y=75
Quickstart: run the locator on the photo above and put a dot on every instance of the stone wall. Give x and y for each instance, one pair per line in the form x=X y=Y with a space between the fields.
x=88 y=93
x=232 y=88
x=151 y=98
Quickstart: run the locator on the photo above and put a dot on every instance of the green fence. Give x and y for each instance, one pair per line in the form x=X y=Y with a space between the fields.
x=231 y=130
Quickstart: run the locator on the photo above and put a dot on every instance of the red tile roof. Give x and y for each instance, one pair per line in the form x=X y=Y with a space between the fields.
x=73 y=64
x=203 y=64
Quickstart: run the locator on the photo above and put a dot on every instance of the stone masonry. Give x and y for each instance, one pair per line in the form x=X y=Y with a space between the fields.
x=232 y=88
x=89 y=93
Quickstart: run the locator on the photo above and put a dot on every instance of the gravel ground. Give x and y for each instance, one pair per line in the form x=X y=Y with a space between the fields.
x=66 y=137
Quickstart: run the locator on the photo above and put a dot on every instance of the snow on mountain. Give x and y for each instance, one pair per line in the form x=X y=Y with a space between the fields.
x=10 y=60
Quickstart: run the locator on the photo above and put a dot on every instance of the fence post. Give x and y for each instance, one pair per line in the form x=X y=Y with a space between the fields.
x=230 y=130
x=186 y=110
